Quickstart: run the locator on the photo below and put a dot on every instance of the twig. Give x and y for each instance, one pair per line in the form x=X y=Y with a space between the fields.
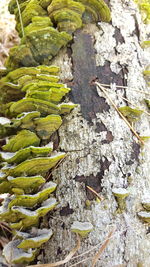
x=121 y=115
x=76 y=264
x=104 y=245
x=92 y=190
x=67 y=259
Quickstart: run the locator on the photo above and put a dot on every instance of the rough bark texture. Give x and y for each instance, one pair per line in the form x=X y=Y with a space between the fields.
x=101 y=150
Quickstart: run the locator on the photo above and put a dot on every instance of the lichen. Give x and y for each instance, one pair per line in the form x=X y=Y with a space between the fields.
x=144 y=216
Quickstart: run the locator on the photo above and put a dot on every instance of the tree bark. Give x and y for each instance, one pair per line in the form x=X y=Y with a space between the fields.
x=101 y=150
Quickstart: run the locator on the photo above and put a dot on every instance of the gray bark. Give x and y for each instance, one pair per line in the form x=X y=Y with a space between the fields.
x=101 y=150
x=103 y=153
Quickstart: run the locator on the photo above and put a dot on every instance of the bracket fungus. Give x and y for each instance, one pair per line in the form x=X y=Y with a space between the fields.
x=82 y=228
x=147 y=102
x=95 y=10
x=24 y=248
x=27 y=154
x=47 y=26
x=66 y=14
x=30 y=98
x=34 y=239
x=144 y=216
x=15 y=255
x=146 y=204
x=120 y=194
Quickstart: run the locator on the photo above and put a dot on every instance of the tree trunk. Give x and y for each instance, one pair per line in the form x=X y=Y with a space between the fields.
x=101 y=150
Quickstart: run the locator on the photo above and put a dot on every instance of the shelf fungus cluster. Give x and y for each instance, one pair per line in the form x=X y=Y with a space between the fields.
x=31 y=111
x=47 y=25
x=30 y=99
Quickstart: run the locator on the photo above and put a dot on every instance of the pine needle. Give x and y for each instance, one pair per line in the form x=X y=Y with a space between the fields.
x=144 y=111
x=121 y=115
x=93 y=191
x=20 y=18
x=126 y=87
x=66 y=260
x=104 y=245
